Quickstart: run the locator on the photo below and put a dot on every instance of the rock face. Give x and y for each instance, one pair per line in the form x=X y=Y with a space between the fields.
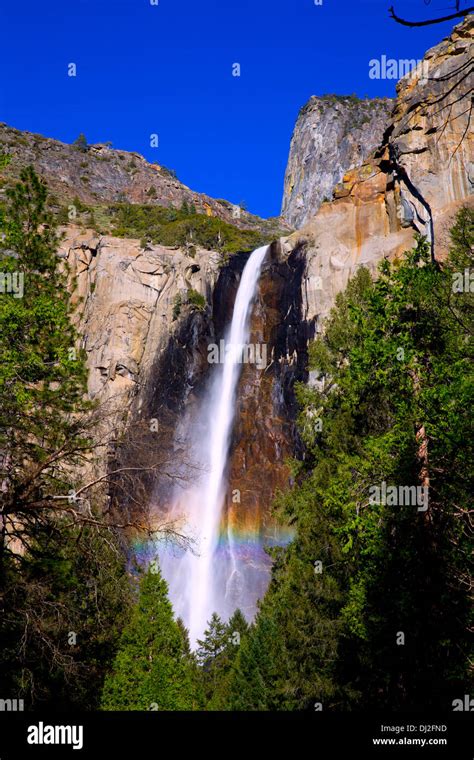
x=332 y=135
x=143 y=348
x=431 y=143
x=414 y=182
x=147 y=359
x=129 y=296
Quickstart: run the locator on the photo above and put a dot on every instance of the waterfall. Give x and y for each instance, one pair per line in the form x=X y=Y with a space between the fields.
x=207 y=579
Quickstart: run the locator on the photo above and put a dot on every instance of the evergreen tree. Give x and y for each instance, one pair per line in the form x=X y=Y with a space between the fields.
x=218 y=669
x=258 y=669
x=80 y=143
x=184 y=635
x=213 y=643
x=237 y=628
x=152 y=669
x=62 y=609
x=216 y=655
x=42 y=372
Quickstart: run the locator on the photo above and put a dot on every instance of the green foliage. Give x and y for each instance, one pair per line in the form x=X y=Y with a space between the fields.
x=4 y=160
x=192 y=298
x=216 y=655
x=42 y=372
x=80 y=143
x=259 y=666
x=80 y=206
x=153 y=669
x=177 y=304
x=173 y=227
x=63 y=606
x=213 y=643
x=169 y=172
x=196 y=299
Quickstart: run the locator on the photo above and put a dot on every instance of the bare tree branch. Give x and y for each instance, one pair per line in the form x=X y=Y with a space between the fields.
x=428 y=22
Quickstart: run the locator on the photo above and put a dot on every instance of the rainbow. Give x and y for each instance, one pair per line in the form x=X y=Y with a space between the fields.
x=248 y=543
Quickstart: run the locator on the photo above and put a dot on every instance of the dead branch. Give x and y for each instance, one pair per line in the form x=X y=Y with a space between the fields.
x=428 y=22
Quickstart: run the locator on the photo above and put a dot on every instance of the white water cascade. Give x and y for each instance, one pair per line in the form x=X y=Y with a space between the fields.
x=207 y=579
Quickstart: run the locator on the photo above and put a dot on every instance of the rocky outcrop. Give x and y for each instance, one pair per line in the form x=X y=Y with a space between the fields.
x=332 y=135
x=138 y=329
x=431 y=143
x=128 y=308
x=415 y=181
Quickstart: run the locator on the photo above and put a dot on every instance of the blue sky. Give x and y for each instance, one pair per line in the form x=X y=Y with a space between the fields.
x=167 y=69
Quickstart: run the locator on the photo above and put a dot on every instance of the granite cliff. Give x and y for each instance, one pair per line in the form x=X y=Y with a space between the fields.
x=332 y=135
x=415 y=181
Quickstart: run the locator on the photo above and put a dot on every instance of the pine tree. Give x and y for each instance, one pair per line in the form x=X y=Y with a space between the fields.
x=237 y=628
x=258 y=668
x=151 y=670
x=62 y=610
x=184 y=635
x=211 y=657
x=213 y=643
x=42 y=372
x=80 y=143
x=218 y=670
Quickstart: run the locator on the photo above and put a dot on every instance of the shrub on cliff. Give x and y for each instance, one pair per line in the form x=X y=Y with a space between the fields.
x=173 y=227
x=196 y=299
x=80 y=143
x=192 y=298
